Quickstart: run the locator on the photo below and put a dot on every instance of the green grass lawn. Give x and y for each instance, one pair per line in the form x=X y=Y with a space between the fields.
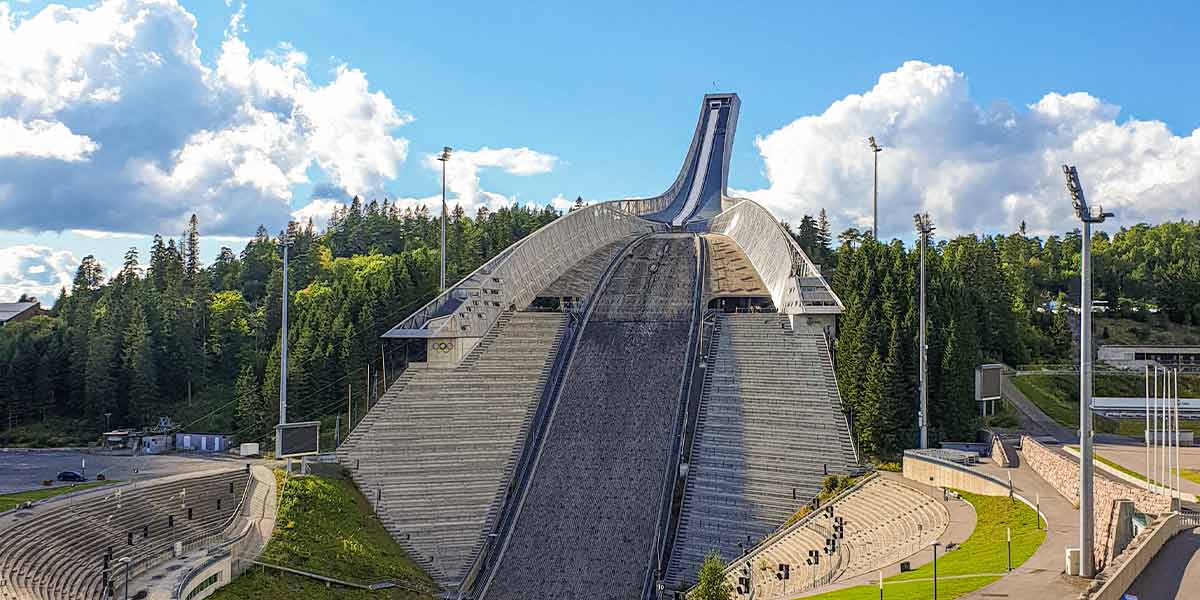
x=976 y=560
x=1058 y=397
x=10 y=501
x=1055 y=395
x=325 y=526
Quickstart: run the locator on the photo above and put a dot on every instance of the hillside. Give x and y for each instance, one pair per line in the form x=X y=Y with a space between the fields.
x=169 y=336
x=325 y=526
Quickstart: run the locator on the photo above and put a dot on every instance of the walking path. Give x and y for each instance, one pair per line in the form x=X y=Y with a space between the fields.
x=1042 y=575
x=1174 y=574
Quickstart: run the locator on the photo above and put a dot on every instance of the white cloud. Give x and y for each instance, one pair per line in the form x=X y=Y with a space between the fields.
x=106 y=235
x=974 y=168
x=318 y=210
x=42 y=139
x=463 y=173
x=35 y=270
x=153 y=133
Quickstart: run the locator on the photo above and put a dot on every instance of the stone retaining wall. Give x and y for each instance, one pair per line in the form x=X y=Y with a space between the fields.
x=1062 y=472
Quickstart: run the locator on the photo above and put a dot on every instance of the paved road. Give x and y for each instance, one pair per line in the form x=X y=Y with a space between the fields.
x=1174 y=573
x=24 y=470
x=1033 y=420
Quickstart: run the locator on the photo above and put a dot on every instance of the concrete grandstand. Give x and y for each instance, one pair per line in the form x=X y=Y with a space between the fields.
x=632 y=385
x=149 y=539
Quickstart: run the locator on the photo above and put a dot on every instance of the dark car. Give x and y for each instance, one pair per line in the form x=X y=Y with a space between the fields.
x=71 y=476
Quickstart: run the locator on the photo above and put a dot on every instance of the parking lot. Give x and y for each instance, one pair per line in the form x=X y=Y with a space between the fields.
x=24 y=470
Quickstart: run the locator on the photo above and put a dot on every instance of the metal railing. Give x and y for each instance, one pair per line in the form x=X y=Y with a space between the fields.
x=837 y=389
x=665 y=527
x=142 y=561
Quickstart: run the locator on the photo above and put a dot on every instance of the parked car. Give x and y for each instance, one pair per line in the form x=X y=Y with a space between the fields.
x=71 y=476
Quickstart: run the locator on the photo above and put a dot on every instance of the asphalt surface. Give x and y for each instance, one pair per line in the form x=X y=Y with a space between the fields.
x=22 y=470
x=1174 y=573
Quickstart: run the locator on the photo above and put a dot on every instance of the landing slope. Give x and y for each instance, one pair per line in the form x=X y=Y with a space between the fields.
x=587 y=525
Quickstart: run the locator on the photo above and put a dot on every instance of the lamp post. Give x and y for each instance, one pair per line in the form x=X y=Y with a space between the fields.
x=126 y=560
x=1008 y=539
x=444 y=157
x=935 y=547
x=286 y=242
x=1087 y=560
x=875 y=150
x=924 y=227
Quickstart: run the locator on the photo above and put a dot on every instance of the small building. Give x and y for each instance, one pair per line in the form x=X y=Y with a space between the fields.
x=118 y=439
x=158 y=443
x=203 y=442
x=1136 y=357
x=148 y=442
x=15 y=312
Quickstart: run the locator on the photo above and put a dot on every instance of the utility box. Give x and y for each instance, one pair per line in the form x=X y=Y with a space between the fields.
x=1072 y=561
x=246 y=450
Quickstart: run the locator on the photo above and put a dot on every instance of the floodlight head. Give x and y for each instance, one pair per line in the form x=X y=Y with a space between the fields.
x=1076 y=190
x=874 y=146
x=445 y=156
x=923 y=223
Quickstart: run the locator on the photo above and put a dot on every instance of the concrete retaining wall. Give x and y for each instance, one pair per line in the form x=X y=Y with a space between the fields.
x=1131 y=564
x=939 y=473
x=208 y=579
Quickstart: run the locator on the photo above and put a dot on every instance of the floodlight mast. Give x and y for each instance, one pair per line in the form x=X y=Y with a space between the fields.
x=285 y=241
x=875 y=150
x=444 y=157
x=1087 y=559
x=924 y=227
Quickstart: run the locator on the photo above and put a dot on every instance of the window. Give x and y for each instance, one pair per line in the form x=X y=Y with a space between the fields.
x=207 y=583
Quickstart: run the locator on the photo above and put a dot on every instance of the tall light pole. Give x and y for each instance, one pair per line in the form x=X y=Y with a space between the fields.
x=1087 y=560
x=924 y=227
x=444 y=157
x=286 y=241
x=875 y=150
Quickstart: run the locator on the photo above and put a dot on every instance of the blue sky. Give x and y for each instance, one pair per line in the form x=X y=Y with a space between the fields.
x=591 y=99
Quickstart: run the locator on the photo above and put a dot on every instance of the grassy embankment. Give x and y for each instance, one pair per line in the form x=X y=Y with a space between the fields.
x=326 y=526
x=977 y=562
x=1058 y=397
x=10 y=501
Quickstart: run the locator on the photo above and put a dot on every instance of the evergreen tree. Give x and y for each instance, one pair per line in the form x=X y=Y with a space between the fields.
x=138 y=363
x=251 y=410
x=711 y=583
